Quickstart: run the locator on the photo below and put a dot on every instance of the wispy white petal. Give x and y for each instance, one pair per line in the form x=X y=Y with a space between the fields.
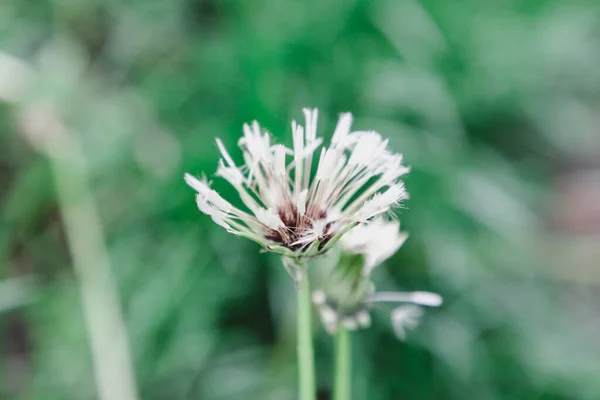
x=196 y=184
x=404 y=318
x=421 y=298
x=224 y=152
x=269 y=218
x=301 y=201
x=342 y=130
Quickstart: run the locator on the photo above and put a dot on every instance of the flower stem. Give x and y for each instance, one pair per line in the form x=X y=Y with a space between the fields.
x=343 y=365
x=104 y=319
x=306 y=367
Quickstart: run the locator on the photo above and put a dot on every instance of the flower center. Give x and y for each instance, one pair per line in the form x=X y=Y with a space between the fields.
x=300 y=231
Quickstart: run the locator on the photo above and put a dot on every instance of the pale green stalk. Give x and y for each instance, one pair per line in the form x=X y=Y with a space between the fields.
x=343 y=365
x=306 y=366
x=113 y=370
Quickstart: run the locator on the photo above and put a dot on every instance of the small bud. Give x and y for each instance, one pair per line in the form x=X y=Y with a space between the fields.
x=328 y=315
x=350 y=323
x=363 y=318
x=319 y=297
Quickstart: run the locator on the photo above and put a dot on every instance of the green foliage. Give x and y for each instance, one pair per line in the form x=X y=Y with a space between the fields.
x=481 y=97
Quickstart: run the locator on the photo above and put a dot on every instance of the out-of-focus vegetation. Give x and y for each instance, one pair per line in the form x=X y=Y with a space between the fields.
x=495 y=105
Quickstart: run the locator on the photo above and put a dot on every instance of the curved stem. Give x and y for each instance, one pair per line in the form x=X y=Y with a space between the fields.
x=306 y=367
x=343 y=364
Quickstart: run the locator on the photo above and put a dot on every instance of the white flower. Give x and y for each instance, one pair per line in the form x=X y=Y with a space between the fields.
x=292 y=212
x=376 y=241
x=350 y=294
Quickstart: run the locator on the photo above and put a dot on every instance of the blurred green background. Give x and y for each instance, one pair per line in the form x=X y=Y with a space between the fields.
x=494 y=104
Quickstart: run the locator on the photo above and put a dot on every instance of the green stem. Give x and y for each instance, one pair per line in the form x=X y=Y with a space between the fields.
x=306 y=367
x=343 y=365
x=105 y=322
